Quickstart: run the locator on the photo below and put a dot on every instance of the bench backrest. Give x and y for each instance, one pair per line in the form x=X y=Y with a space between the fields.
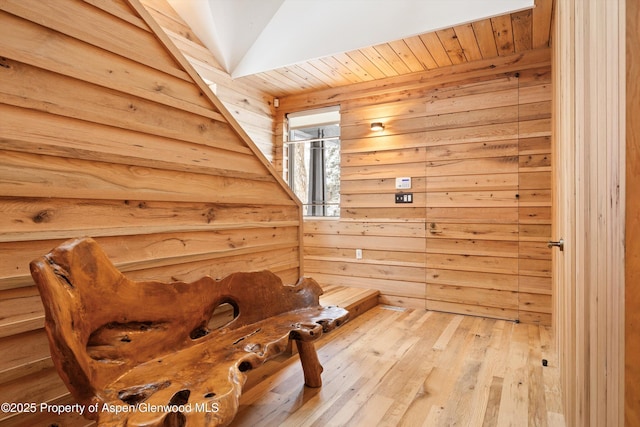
x=101 y=324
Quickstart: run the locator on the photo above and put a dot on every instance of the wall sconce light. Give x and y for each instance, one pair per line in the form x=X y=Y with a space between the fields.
x=377 y=126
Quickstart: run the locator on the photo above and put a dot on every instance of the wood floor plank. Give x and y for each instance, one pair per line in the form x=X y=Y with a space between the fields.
x=437 y=392
x=488 y=387
x=346 y=410
x=411 y=367
x=537 y=398
x=513 y=404
x=407 y=381
x=553 y=393
x=465 y=393
x=493 y=403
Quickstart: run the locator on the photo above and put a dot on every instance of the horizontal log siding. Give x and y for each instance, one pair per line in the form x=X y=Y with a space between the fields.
x=103 y=133
x=393 y=257
x=252 y=107
x=478 y=150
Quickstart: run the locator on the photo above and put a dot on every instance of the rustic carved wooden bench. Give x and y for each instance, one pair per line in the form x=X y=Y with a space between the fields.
x=141 y=353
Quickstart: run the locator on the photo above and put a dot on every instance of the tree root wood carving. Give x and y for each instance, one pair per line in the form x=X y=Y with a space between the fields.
x=143 y=353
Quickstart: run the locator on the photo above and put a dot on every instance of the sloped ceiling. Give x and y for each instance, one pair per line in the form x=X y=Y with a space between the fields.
x=254 y=36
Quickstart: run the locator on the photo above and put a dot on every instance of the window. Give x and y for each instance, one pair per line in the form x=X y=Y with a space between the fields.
x=313 y=160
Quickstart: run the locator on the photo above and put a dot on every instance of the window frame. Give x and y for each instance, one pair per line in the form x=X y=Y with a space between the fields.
x=316 y=203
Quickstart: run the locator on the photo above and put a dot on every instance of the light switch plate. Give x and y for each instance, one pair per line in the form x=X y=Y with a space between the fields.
x=404 y=197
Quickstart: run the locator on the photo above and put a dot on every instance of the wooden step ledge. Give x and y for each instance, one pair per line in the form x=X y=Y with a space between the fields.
x=355 y=300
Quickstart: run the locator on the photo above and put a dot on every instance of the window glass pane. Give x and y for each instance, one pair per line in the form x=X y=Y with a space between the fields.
x=332 y=178
x=314 y=166
x=298 y=170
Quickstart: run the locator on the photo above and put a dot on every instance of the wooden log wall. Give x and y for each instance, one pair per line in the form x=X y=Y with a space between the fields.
x=476 y=142
x=249 y=105
x=107 y=131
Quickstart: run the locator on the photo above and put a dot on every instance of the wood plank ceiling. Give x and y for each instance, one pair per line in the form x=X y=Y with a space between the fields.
x=485 y=39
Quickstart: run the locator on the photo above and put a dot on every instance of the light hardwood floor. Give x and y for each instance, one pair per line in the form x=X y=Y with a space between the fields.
x=406 y=367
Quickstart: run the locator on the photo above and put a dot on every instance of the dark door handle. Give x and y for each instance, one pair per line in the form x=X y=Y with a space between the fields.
x=559 y=243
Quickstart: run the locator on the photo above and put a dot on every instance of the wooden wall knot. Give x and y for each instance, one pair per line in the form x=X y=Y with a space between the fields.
x=43 y=216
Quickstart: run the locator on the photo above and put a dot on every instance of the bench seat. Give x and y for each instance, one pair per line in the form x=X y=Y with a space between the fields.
x=142 y=353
